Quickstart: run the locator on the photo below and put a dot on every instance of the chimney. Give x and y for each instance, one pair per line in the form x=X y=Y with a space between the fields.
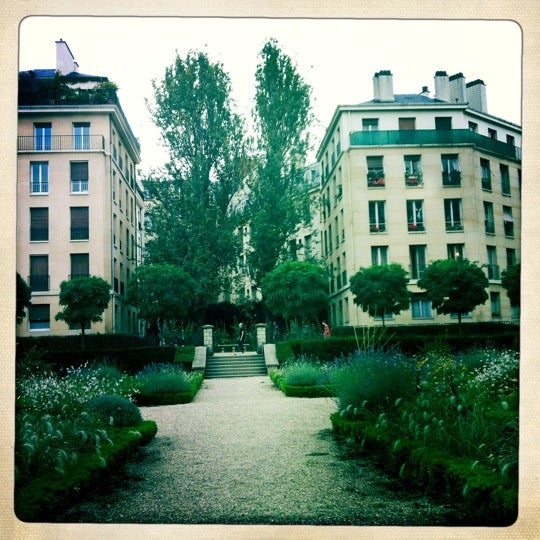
x=65 y=62
x=458 y=91
x=476 y=95
x=425 y=91
x=383 y=87
x=442 y=88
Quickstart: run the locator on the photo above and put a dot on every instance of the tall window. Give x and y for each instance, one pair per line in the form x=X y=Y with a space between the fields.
x=492 y=266
x=418 y=260
x=407 y=123
x=415 y=215
x=451 y=173
x=39 y=317
x=81 y=135
x=495 y=300
x=489 y=221
x=39 y=177
x=452 y=214
x=413 y=170
x=455 y=251
x=375 y=174
x=420 y=306
x=80 y=266
x=510 y=256
x=376 y=216
x=79 y=223
x=39 y=272
x=39 y=224
x=42 y=136
x=79 y=176
x=505 y=179
x=492 y=133
x=486 y=174
x=508 y=220
x=443 y=123
x=370 y=124
x=379 y=255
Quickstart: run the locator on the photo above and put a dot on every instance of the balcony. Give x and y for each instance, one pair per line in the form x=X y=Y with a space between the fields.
x=451 y=179
x=435 y=137
x=375 y=178
x=39 y=282
x=413 y=179
x=453 y=226
x=59 y=143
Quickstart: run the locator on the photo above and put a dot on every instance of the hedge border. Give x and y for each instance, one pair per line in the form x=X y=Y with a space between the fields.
x=54 y=492
x=482 y=496
x=169 y=398
x=301 y=391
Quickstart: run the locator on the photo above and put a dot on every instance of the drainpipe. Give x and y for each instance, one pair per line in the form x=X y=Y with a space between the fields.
x=113 y=293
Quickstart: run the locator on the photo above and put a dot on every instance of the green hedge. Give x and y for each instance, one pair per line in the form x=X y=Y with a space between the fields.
x=483 y=496
x=301 y=391
x=169 y=398
x=52 y=493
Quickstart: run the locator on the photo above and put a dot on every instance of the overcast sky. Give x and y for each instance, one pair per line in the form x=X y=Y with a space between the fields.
x=337 y=58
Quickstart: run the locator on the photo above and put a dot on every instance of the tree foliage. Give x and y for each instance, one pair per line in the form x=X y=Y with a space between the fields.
x=24 y=294
x=279 y=199
x=189 y=220
x=84 y=300
x=511 y=281
x=297 y=290
x=454 y=286
x=161 y=292
x=381 y=289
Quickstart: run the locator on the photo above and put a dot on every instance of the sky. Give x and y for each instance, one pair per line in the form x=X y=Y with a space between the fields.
x=336 y=57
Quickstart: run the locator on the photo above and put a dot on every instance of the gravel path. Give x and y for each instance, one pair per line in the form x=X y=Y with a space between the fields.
x=243 y=453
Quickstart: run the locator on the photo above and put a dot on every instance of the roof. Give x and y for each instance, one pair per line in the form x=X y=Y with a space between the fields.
x=50 y=73
x=406 y=98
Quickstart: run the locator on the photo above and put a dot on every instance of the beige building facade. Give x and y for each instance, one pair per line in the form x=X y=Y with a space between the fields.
x=409 y=179
x=79 y=205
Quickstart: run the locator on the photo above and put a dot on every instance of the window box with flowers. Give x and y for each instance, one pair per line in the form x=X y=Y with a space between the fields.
x=376 y=228
x=415 y=227
x=455 y=226
x=413 y=179
x=375 y=178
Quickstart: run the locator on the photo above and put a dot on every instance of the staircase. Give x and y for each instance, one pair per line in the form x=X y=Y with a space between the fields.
x=223 y=365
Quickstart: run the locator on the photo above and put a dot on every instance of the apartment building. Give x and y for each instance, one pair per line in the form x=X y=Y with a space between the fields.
x=79 y=204
x=409 y=179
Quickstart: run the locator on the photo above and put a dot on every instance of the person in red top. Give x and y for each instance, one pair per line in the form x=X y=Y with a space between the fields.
x=326 y=329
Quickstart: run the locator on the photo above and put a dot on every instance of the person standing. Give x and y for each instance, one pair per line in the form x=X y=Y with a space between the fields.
x=326 y=329
x=275 y=332
x=241 y=337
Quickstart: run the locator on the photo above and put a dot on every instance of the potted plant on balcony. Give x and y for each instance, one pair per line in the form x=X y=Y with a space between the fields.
x=375 y=178
x=412 y=179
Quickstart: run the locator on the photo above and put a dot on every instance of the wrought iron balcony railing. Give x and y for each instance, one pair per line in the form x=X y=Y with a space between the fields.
x=39 y=282
x=435 y=137
x=57 y=143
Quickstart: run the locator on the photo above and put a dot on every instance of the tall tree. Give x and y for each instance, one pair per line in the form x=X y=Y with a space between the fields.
x=189 y=223
x=454 y=286
x=297 y=290
x=24 y=294
x=511 y=281
x=162 y=292
x=84 y=300
x=279 y=200
x=381 y=289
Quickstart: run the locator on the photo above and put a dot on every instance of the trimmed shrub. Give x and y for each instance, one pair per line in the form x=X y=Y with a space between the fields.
x=114 y=410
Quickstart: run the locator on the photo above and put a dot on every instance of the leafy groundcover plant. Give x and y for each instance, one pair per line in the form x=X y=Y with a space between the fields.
x=455 y=433
x=166 y=384
x=62 y=446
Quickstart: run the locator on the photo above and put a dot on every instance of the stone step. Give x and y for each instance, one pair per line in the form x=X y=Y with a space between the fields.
x=235 y=365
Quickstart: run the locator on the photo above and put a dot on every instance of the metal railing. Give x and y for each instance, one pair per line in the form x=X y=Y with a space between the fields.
x=39 y=282
x=435 y=137
x=57 y=143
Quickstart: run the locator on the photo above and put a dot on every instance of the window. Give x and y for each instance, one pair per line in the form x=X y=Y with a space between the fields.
x=451 y=174
x=81 y=135
x=418 y=260
x=473 y=126
x=80 y=266
x=407 y=123
x=495 y=300
x=79 y=223
x=39 y=317
x=492 y=266
x=375 y=174
x=415 y=216
x=421 y=306
x=486 y=174
x=443 y=122
x=376 y=216
x=42 y=136
x=455 y=251
x=492 y=133
x=79 y=176
x=370 y=124
x=508 y=221
x=39 y=177
x=505 y=180
x=489 y=221
x=452 y=214
x=510 y=257
x=39 y=273
x=39 y=224
x=510 y=140
x=379 y=255
x=413 y=170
